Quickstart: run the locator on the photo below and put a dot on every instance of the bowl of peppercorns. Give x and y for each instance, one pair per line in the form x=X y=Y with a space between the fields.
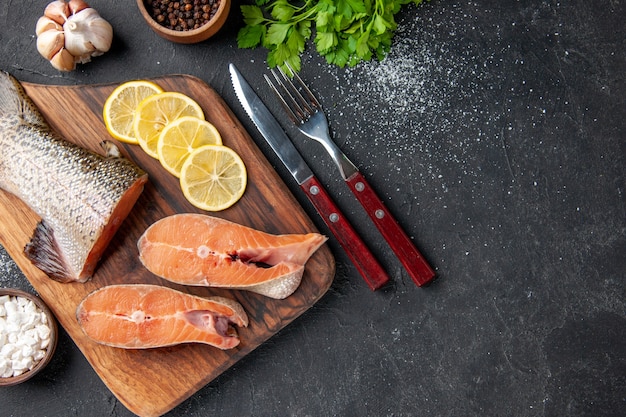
x=185 y=21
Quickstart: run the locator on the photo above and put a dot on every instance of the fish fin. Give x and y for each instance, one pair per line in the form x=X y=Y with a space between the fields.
x=111 y=150
x=15 y=103
x=44 y=252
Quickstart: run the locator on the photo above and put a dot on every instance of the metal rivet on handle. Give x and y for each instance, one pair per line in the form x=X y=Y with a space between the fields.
x=379 y=214
x=334 y=217
x=314 y=190
x=359 y=186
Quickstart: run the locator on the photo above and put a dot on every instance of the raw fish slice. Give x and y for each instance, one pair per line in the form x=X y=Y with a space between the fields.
x=140 y=316
x=196 y=249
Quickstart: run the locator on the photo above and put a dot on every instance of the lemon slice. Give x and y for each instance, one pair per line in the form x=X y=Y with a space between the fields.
x=119 y=108
x=179 y=138
x=213 y=177
x=157 y=111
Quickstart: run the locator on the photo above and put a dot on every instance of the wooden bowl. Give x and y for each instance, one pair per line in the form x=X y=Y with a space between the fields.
x=200 y=34
x=14 y=380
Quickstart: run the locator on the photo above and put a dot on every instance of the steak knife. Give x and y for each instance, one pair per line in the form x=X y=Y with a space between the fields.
x=367 y=265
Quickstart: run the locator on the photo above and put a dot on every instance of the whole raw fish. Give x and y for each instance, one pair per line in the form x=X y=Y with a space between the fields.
x=81 y=196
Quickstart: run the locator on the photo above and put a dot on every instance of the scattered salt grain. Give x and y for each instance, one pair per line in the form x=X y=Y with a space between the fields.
x=425 y=103
x=24 y=335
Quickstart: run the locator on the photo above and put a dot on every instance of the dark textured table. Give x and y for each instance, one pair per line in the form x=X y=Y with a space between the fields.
x=496 y=133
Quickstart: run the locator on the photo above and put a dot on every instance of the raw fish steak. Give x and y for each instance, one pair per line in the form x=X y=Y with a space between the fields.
x=196 y=249
x=141 y=316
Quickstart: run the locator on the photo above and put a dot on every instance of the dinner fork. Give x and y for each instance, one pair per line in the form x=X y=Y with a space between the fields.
x=306 y=112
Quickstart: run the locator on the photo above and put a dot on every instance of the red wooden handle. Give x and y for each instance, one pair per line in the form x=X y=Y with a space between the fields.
x=413 y=261
x=373 y=274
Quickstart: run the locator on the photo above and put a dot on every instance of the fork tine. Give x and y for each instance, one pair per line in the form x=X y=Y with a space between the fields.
x=298 y=103
x=310 y=96
x=305 y=105
x=298 y=107
x=296 y=115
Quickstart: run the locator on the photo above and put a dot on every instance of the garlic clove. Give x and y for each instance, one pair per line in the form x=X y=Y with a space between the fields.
x=87 y=34
x=77 y=35
x=63 y=61
x=45 y=23
x=58 y=11
x=101 y=34
x=50 y=42
x=76 y=6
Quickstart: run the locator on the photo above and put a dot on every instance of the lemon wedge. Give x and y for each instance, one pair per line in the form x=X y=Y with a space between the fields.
x=157 y=111
x=119 y=108
x=179 y=138
x=213 y=177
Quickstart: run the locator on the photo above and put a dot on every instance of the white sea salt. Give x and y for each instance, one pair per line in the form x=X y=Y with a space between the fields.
x=424 y=107
x=24 y=335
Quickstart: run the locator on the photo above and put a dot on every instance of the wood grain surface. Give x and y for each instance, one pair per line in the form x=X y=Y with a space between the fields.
x=153 y=381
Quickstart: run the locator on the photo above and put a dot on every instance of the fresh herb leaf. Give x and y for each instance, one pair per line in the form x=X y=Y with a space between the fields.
x=250 y=36
x=277 y=33
x=252 y=15
x=346 y=31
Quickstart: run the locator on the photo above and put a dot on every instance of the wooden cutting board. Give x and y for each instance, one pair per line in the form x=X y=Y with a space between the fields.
x=151 y=382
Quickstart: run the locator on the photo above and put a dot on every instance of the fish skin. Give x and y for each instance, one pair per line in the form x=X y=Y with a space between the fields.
x=81 y=196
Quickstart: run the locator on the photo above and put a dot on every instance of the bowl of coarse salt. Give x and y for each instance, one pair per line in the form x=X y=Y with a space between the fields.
x=28 y=336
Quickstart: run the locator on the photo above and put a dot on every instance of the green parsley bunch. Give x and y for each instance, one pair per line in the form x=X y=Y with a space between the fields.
x=346 y=31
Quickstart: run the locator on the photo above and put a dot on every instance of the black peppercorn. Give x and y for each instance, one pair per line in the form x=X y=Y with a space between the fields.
x=182 y=15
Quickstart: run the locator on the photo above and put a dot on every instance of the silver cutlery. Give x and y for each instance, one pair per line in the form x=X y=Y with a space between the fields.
x=369 y=268
x=306 y=113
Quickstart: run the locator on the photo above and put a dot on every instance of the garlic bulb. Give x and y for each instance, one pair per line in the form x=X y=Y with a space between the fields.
x=87 y=35
x=71 y=32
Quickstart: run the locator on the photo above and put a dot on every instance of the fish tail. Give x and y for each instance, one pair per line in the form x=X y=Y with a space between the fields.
x=14 y=103
x=44 y=252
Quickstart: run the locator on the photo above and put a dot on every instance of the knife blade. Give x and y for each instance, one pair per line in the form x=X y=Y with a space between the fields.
x=358 y=252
